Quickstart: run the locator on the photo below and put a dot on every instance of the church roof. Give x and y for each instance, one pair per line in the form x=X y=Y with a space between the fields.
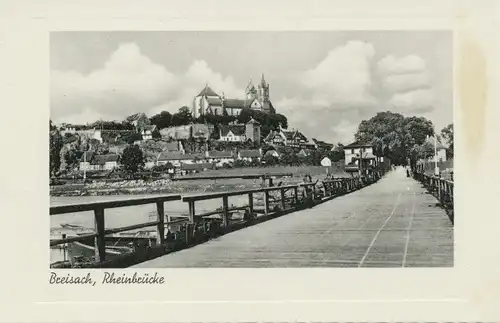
x=250 y=88
x=236 y=103
x=207 y=91
x=214 y=101
x=268 y=107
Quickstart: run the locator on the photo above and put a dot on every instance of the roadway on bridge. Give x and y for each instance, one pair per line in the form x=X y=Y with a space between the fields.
x=392 y=223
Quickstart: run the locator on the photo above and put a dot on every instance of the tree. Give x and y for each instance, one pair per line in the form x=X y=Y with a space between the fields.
x=162 y=120
x=56 y=144
x=395 y=136
x=447 y=134
x=183 y=117
x=156 y=134
x=132 y=159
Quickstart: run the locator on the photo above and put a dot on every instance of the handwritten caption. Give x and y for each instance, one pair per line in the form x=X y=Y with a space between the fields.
x=109 y=278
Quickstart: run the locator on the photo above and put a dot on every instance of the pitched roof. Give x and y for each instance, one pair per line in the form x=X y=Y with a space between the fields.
x=271 y=152
x=250 y=88
x=192 y=156
x=268 y=107
x=253 y=121
x=236 y=103
x=207 y=91
x=237 y=130
x=214 y=102
x=102 y=159
x=169 y=156
x=178 y=156
x=250 y=153
x=220 y=154
x=358 y=144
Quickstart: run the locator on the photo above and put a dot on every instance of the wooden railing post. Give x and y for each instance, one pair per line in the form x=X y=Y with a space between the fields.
x=313 y=191
x=192 y=211
x=225 y=211
x=266 y=202
x=250 y=203
x=99 y=241
x=282 y=191
x=160 y=227
x=296 y=194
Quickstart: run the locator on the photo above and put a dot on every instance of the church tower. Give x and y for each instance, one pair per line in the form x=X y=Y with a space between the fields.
x=250 y=92
x=263 y=90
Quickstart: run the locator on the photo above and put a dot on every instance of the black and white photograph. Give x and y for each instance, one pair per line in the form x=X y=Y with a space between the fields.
x=251 y=149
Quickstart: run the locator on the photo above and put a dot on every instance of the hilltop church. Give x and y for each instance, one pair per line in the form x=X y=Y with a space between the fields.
x=209 y=102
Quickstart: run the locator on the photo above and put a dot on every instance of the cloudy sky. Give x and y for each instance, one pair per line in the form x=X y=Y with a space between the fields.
x=324 y=82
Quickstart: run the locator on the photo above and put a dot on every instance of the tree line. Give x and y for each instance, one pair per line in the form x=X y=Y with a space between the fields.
x=402 y=138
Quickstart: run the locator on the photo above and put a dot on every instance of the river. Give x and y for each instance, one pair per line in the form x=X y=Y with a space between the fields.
x=124 y=216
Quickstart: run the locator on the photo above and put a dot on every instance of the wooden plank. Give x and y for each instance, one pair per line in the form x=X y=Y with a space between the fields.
x=225 y=211
x=318 y=237
x=209 y=196
x=99 y=241
x=160 y=227
x=81 y=207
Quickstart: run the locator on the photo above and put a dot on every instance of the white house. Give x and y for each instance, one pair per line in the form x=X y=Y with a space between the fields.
x=85 y=160
x=354 y=151
x=232 y=133
x=105 y=162
x=250 y=155
x=176 y=158
x=147 y=132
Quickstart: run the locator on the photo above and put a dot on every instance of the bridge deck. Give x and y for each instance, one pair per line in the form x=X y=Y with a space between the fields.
x=393 y=223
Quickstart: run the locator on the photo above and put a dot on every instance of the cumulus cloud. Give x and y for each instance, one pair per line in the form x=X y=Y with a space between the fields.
x=343 y=76
x=408 y=83
x=348 y=86
x=129 y=82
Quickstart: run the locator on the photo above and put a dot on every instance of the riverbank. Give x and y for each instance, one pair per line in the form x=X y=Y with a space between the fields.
x=167 y=186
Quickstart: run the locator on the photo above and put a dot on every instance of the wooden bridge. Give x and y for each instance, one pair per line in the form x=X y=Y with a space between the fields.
x=390 y=222
x=393 y=223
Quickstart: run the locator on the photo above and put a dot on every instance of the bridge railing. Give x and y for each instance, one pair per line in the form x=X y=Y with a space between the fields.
x=100 y=230
x=197 y=227
x=441 y=188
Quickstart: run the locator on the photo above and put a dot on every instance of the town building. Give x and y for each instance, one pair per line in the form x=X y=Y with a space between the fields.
x=219 y=157
x=147 y=132
x=105 y=162
x=356 y=150
x=250 y=155
x=240 y=132
x=291 y=138
x=177 y=158
x=209 y=102
x=321 y=145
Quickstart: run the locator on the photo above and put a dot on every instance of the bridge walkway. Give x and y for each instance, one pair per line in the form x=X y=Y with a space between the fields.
x=392 y=223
